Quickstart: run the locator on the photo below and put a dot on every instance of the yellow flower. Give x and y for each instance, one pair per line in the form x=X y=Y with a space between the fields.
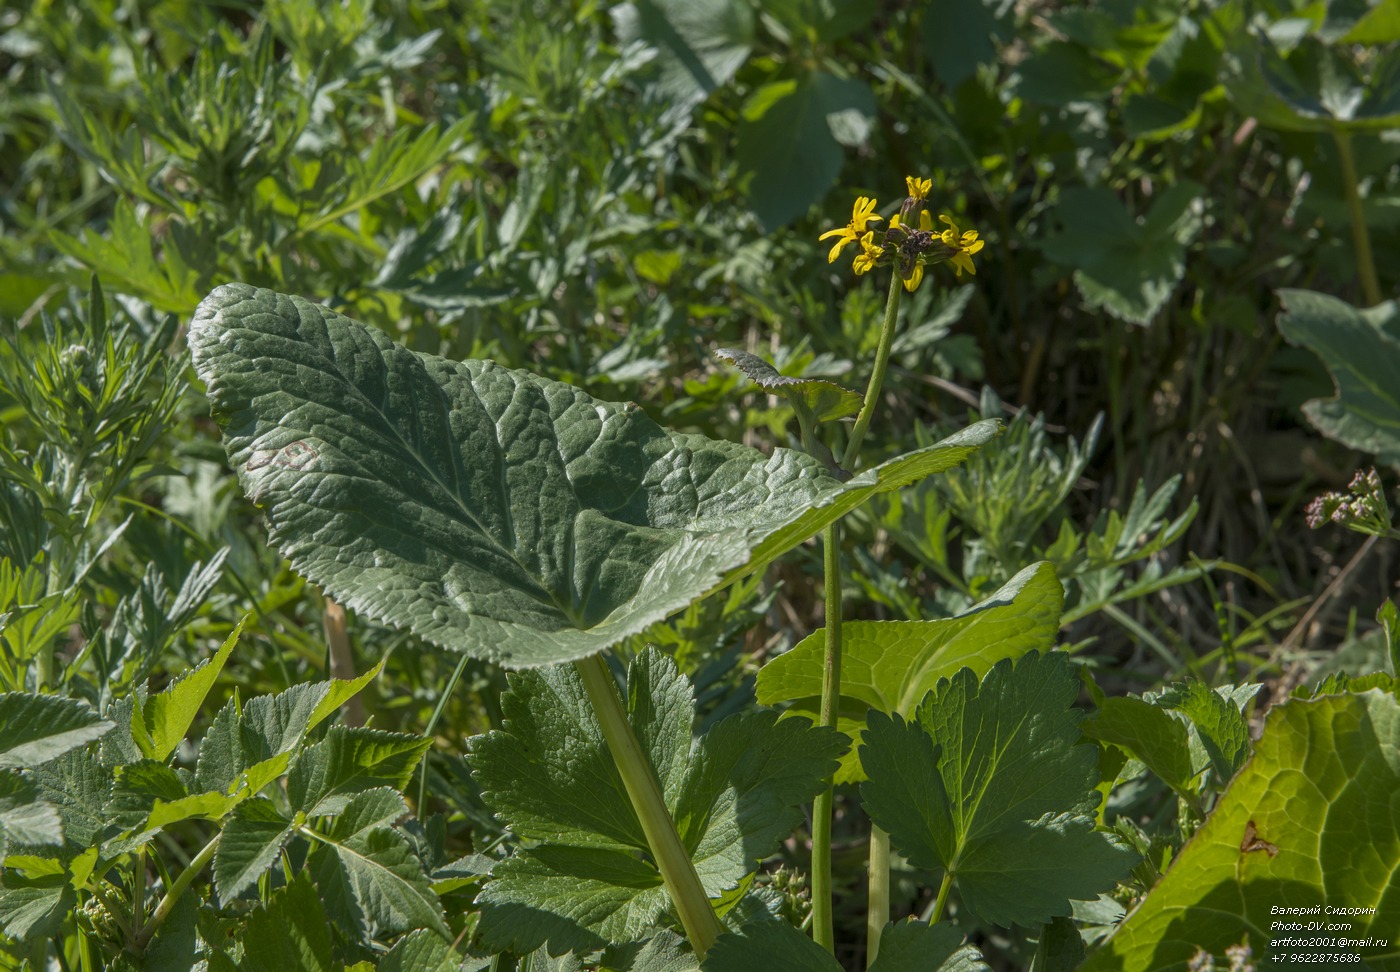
x=862 y=212
x=869 y=253
x=963 y=245
x=911 y=283
x=918 y=188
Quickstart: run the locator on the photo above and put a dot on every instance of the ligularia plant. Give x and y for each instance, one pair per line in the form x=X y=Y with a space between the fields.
x=516 y=519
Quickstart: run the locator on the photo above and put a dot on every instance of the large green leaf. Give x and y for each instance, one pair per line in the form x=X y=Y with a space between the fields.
x=1310 y=822
x=700 y=43
x=915 y=946
x=1361 y=347
x=33 y=907
x=1218 y=727
x=493 y=511
x=890 y=665
x=78 y=786
x=37 y=728
x=420 y=951
x=137 y=789
x=245 y=750
x=1127 y=265
x=735 y=794
x=791 y=140
x=771 y=945
x=987 y=782
x=1314 y=88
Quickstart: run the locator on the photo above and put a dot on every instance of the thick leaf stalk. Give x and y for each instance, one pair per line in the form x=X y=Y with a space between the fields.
x=1360 y=234
x=177 y=888
x=698 y=918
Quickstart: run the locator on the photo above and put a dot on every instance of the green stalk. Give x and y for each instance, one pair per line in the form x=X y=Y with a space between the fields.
x=87 y=953
x=138 y=888
x=1360 y=236
x=942 y=901
x=877 y=912
x=823 y=926
x=698 y=918
x=182 y=883
x=877 y=375
x=432 y=726
x=44 y=661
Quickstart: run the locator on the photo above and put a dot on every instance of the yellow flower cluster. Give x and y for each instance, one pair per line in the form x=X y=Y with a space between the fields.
x=909 y=243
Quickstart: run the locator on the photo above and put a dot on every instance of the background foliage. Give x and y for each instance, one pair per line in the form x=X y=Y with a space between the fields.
x=606 y=193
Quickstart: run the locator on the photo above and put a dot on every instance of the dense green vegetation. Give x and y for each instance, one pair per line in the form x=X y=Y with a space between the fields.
x=311 y=641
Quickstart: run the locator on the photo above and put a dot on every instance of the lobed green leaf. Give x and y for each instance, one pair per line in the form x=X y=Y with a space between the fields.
x=734 y=795
x=37 y=728
x=987 y=782
x=160 y=723
x=1150 y=733
x=253 y=838
x=375 y=878
x=824 y=401
x=1361 y=348
x=289 y=934
x=889 y=666
x=349 y=760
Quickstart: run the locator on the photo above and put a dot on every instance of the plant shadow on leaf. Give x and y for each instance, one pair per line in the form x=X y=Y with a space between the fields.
x=1308 y=822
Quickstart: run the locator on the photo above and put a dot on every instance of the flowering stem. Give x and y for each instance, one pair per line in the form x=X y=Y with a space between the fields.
x=1360 y=236
x=877 y=912
x=677 y=871
x=877 y=375
x=823 y=931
